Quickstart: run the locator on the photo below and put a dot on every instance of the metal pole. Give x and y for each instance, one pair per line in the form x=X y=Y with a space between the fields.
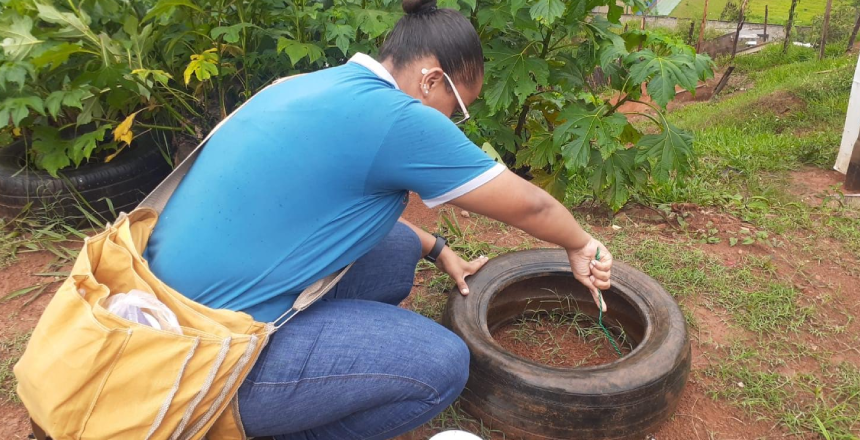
x=852 y=125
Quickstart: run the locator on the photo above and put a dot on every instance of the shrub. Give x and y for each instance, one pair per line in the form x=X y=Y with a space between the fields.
x=72 y=74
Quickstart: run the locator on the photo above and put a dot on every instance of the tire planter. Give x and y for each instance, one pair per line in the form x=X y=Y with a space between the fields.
x=627 y=398
x=125 y=181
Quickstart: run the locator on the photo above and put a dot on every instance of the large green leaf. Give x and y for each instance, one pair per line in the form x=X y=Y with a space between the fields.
x=15 y=73
x=82 y=147
x=373 y=22
x=613 y=176
x=18 y=109
x=165 y=7
x=71 y=25
x=540 y=151
x=662 y=72
x=297 y=51
x=554 y=183
x=230 y=33
x=547 y=11
x=18 y=40
x=515 y=75
x=342 y=34
x=56 y=55
x=67 y=98
x=671 y=150
x=583 y=128
x=50 y=150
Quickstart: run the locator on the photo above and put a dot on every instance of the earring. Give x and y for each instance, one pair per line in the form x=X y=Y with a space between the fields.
x=426 y=90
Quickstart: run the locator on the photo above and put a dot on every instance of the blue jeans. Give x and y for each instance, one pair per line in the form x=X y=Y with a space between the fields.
x=355 y=365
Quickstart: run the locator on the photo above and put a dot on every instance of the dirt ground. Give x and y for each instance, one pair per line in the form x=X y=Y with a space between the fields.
x=699 y=416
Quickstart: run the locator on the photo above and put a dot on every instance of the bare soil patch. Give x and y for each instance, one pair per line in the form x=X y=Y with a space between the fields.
x=813 y=185
x=559 y=341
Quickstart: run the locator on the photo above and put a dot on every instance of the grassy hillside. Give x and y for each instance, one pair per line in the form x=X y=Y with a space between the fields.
x=778 y=9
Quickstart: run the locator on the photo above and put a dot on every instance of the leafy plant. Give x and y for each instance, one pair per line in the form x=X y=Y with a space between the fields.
x=71 y=72
x=541 y=109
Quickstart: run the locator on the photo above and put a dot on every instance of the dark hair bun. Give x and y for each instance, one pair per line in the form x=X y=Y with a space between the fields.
x=419 y=6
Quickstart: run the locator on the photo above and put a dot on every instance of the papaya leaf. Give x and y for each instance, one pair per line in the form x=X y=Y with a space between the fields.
x=12 y=72
x=84 y=145
x=374 y=23
x=297 y=51
x=68 y=98
x=19 y=108
x=516 y=75
x=18 y=40
x=50 y=150
x=164 y=8
x=663 y=73
x=547 y=11
x=540 y=151
x=704 y=66
x=581 y=128
x=553 y=183
x=672 y=149
x=230 y=33
x=71 y=25
x=56 y=55
x=342 y=34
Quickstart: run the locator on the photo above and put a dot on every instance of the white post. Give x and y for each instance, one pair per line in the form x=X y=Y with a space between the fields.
x=852 y=125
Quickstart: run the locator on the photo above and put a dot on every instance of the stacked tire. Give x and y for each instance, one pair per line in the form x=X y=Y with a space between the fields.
x=99 y=188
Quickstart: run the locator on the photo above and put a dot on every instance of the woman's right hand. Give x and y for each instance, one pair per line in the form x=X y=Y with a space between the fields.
x=594 y=274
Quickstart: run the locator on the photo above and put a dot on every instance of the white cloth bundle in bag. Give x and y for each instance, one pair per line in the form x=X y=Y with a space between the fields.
x=143 y=308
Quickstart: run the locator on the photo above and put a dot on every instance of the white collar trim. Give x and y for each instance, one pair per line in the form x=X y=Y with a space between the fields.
x=375 y=67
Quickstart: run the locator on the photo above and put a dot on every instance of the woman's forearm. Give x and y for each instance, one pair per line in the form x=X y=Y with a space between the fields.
x=427 y=239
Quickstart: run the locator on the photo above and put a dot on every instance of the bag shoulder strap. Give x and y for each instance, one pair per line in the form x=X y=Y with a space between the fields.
x=158 y=198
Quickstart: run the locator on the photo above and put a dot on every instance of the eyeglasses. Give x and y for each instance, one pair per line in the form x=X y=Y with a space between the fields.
x=466 y=115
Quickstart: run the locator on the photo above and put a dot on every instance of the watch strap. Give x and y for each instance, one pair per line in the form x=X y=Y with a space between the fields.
x=437 y=248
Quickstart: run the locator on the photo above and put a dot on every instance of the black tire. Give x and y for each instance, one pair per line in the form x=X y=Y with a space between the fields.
x=125 y=181
x=627 y=398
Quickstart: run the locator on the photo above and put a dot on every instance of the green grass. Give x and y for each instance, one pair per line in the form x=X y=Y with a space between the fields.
x=10 y=352
x=825 y=401
x=547 y=330
x=777 y=10
x=755 y=295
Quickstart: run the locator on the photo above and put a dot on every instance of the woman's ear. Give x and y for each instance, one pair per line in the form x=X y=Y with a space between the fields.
x=431 y=79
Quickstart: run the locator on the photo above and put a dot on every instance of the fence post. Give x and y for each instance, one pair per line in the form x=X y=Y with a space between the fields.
x=854 y=33
x=702 y=27
x=690 y=34
x=741 y=20
x=765 y=24
x=788 y=26
x=824 y=30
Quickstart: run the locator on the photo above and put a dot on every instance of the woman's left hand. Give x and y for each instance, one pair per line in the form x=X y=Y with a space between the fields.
x=458 y=268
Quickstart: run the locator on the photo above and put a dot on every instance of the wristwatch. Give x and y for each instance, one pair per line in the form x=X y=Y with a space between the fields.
x=437 y=248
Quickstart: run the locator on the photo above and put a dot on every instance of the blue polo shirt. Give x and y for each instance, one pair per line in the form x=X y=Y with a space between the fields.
x=307 y=176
